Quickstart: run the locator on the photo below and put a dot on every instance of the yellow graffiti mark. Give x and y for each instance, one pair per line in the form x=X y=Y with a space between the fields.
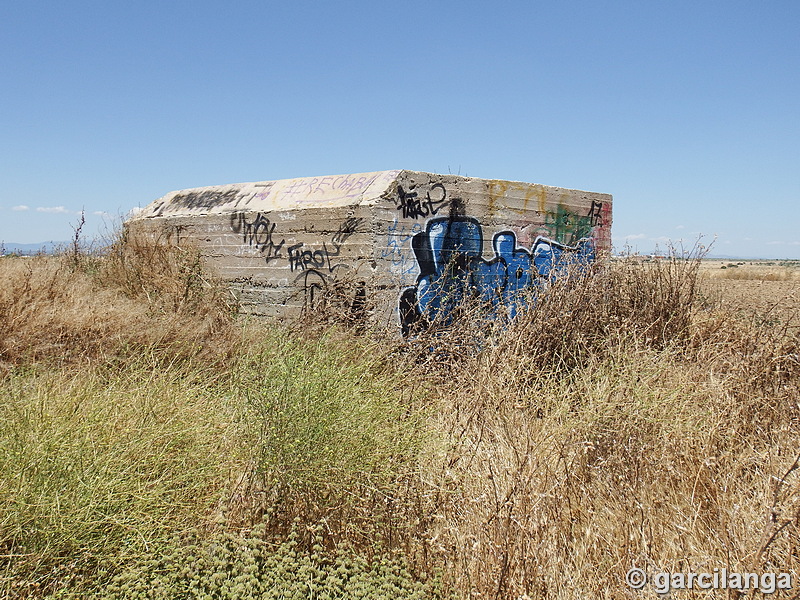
x=497 y=190
x=531 y=192
x=539 y=191
x=502 y=190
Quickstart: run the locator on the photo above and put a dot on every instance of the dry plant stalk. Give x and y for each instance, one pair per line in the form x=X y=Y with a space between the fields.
x=619 y=422
x=138 y=294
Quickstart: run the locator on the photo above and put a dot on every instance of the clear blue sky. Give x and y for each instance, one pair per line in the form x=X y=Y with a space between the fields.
x=687 y=112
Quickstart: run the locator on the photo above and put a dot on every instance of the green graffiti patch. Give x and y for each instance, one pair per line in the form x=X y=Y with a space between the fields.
x=566 y=227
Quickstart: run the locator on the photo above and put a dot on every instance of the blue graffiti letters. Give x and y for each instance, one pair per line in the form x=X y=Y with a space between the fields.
x=452 y=270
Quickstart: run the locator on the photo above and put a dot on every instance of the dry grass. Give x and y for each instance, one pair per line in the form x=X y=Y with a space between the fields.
x=780 y=274
x=139 y=295
x=632 y=460
x=757 y=290
x=623 y=420
x=751 y=270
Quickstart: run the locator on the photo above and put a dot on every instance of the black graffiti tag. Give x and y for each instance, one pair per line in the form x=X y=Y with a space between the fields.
x=346 y=229
x=301 y=258
x=596 y=213
x=314 y=285
x=413 y=207
x=259 y=233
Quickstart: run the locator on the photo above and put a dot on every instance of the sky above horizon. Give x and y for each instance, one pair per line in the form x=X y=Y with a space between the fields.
x=688 y=113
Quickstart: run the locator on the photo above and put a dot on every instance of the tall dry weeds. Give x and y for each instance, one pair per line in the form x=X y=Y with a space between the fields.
x=620 y=422
x=138 y=294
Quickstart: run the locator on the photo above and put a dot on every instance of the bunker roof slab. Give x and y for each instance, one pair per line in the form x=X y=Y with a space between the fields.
x=288 y=194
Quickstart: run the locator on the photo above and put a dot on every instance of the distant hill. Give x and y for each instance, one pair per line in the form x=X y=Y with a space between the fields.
x=31 y=249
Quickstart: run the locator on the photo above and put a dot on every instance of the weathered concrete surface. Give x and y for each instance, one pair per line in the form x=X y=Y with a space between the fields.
x=408 y=244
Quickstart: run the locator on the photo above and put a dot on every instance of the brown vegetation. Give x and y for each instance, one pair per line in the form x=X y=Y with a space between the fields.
x=623 y=421
x=138 y=295
x=626 y=419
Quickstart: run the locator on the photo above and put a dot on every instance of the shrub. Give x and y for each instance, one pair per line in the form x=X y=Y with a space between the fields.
x=247 y=566
x=333 y=435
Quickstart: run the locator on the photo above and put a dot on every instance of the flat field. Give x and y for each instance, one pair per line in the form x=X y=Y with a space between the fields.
x=763 y=288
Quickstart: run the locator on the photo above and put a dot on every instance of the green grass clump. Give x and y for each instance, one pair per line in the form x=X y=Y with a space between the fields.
x=100 y=468
x=96 y=466
x=327 y=416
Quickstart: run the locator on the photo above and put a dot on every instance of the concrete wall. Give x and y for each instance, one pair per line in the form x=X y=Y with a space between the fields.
x=409 y=245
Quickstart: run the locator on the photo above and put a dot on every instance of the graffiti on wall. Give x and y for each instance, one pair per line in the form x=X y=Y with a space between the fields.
x=258 y=233
x=414 y=206
x=434 y=248
x=302 y=257
x=396 y=251
x=452 y=270
x=316 y=266
x=314 y=263
x=568 y=227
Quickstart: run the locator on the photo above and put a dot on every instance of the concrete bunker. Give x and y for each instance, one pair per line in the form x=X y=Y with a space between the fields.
x=404 y=245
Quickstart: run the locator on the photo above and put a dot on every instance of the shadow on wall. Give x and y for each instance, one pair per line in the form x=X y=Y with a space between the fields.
x=452 y=270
